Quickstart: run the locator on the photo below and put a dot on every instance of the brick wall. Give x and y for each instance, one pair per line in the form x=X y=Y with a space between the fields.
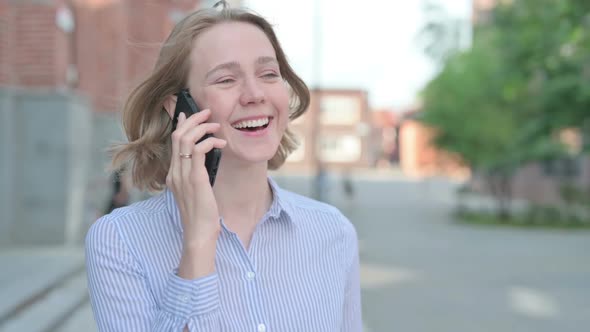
x=113 y=46
x=150 y=22
x=118 y=42
x=311 y=130
x=6 y=18
x=34 y=51
x=419 y=157
x=100 y=52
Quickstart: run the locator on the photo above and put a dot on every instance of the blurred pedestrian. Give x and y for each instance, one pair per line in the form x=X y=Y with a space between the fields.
x=119 y=195
x=347 y=185
x=244 y=254
x=349 y=204
x=321 y=184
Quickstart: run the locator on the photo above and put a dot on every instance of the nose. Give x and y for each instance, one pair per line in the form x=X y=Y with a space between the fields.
x=252 y=93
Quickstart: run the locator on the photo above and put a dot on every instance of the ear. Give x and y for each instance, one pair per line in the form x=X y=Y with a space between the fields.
x=170 y=104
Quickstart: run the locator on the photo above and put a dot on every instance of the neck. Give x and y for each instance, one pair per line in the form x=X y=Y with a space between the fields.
x=242 y=193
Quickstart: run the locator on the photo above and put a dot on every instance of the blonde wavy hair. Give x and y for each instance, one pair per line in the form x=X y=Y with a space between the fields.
x=148 y=126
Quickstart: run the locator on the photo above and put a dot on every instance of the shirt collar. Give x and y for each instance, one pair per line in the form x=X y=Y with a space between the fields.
x=280 y=205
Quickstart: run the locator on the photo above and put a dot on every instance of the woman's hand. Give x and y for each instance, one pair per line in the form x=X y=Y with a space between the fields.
x=189 y=182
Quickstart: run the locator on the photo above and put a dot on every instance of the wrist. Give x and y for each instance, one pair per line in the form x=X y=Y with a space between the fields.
x=193 y=242
x=198 y=260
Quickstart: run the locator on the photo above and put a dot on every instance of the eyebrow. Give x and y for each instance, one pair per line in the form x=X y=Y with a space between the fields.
x=233 y=65
x=266 y=59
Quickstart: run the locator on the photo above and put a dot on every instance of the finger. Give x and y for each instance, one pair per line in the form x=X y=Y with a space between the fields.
x=174 y=169
x=208 y=145
x=192 y=136
x=200 y=150
x=183 y=148
x=193 y=120
x=189 y=134
x=187 y=144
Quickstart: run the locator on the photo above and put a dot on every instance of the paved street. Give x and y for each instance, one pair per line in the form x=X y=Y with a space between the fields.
x=422 y=272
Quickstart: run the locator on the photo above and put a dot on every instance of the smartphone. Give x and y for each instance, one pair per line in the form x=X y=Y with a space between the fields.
x=187 y=105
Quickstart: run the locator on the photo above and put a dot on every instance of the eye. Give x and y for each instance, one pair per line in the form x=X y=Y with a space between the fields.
x=270 y=75
x=225 y=81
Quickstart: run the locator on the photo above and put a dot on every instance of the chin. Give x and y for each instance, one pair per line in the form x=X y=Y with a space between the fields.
x=256 y=156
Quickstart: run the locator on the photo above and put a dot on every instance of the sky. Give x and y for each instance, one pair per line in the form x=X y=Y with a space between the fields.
x=369 y=45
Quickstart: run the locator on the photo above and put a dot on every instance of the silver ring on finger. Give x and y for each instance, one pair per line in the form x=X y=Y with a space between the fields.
x=185 y=155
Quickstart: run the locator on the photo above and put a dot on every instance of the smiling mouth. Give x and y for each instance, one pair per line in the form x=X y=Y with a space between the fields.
x=253 y=125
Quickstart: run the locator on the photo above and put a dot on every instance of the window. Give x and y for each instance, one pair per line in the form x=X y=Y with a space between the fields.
x=340 y=110
x=343 y=148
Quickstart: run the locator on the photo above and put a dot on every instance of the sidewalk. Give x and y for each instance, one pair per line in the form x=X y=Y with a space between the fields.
x=356 y=173
x=40 y=288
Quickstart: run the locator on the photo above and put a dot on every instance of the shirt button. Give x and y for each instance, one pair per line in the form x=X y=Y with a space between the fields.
x=250 y=275
x=184 y=298
x=261 y=328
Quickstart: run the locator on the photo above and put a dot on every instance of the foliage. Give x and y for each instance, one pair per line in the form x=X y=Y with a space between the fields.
x=548 y=43
x=536 y=217
x=502 y=103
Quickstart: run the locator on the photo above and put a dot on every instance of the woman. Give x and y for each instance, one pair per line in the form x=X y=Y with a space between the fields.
x=244 y=255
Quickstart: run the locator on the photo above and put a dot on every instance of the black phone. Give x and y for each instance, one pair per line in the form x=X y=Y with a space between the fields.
x=187 y=105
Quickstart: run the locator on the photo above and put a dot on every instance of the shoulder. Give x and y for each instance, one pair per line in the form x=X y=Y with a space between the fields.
x=298 y=202
x=319 y=214
x=115 y=226
x=324 y=227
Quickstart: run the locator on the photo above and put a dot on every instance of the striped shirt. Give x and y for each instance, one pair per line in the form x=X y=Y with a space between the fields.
x=300 y=273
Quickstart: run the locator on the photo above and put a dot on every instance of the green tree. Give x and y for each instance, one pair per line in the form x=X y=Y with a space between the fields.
x=467 y=106
x=548 y=43
x=500 y=104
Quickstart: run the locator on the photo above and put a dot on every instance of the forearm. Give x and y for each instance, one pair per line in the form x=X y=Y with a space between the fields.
x=122 y=299
x=198 y=258
x=192 y=304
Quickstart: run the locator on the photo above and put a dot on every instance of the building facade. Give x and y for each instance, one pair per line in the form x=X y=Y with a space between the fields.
x=335 y=132
x=386 y=135
x=98 y=48
x=65 y=68
x=482 y=10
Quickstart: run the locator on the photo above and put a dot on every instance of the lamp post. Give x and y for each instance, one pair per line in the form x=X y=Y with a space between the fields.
x=318 y=183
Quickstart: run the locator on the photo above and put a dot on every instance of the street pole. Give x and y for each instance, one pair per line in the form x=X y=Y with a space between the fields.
x=317 y=183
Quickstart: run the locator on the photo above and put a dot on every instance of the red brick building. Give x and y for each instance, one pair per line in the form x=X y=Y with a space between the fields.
x=99 y=47
x=418 y=155
x=33 y=52
x=336 y=132
x=481 y=10
x=386 y=135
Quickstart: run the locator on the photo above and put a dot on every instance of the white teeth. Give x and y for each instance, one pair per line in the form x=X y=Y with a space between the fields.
x=251 y=123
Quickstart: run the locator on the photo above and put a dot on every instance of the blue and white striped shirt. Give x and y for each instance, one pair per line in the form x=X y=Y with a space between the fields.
x=301 y=272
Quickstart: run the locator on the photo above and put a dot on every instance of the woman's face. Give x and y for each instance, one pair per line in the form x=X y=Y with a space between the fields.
x=235 y=73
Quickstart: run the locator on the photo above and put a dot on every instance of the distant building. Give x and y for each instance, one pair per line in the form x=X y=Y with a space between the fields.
x=386 y=137
x=418 y=154
x=482 y=10
x=336 y=131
